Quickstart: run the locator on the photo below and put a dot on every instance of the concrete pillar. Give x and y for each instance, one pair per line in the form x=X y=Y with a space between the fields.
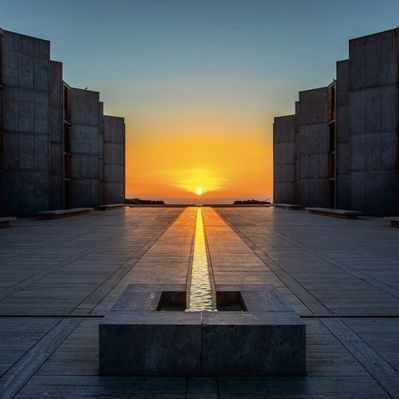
x=284 y=155
x=373 y=110
x=114 y=160
x=85 y=144
x=25 y=79
x=313 y=148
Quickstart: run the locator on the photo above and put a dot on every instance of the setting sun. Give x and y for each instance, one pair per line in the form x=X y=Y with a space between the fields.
x=199 y=190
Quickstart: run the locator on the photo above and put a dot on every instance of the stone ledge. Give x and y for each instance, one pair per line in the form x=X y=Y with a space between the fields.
x=338 y=213
x=62 y=213
x=5 y=221
x=107 y=207
x=394 y=221
x=293 y=207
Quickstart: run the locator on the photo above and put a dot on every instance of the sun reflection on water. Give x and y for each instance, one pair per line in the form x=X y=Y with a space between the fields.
x=200 y=296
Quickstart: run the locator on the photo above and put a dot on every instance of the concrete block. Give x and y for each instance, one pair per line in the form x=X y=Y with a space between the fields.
x=11 y=151
x=284 y=153
x=313 y=166
x=284 y=129
x=333 y=212
x=344 y=158
x=284 y=173
x=343 y=131
x=114 y=174
x=10 y=121
x=41 y=74
x=150 y=343
x=313 y=139
x=237 y=344
x=344 y=191
x=26 y=151
x=25 y=70
x=373 y=109
x=85 y=107
x=114 y=192
x=314 y=192
x=374 y=151
x=373 y=60
x=284 y=192
x=342 y=83
x=266 y=339
x=312 y=106
x=375 y=192
x=63 y=213
x=40 y=113
x=41 y=153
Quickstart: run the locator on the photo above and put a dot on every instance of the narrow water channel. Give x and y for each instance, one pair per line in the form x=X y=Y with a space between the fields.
x=200 y=289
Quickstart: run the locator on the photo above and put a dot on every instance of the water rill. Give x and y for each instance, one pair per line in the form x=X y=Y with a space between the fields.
x=173 y=329
x=200 y=296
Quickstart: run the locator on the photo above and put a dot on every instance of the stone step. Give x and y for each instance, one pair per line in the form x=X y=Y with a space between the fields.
x=5 y=221
x=338 y=213
x=106 y=207
x=293 y=207
x=61 y=213
x=394 y=220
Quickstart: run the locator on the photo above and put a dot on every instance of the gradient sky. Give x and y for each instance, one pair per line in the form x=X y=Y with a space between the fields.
x=198 y=81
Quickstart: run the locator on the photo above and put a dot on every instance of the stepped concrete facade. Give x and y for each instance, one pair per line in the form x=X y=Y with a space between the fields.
x=51 y=135
x=345 y=139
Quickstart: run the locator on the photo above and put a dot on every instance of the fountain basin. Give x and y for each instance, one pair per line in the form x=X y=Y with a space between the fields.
x=144 y=334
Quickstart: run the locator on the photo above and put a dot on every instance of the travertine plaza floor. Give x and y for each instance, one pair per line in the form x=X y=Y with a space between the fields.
x=58 y=278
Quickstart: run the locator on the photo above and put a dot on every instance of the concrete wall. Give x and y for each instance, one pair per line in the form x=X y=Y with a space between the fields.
x=284 y=155
x=373 y=102
x=86 y=138
x=32 y=135
x=313 y=148
x=114 y=160
x=343 y=136
x=25 y=73
x=366 y=134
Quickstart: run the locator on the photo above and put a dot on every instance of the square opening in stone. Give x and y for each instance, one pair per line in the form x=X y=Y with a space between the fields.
x=172 y=301
x=230 y=301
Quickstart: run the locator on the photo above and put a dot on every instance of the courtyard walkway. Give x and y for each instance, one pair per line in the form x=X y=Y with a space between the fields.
x=59 y=278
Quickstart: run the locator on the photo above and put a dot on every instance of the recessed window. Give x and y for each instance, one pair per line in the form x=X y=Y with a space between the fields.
x=67 y=104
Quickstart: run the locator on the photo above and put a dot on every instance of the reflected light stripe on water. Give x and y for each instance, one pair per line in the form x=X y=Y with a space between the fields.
x=200 y=286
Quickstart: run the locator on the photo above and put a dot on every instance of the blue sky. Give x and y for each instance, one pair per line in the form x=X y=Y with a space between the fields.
x=139 y=50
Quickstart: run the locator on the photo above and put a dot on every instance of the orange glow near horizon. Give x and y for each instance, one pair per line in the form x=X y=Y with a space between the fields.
x=180 y=170
x=200 y=133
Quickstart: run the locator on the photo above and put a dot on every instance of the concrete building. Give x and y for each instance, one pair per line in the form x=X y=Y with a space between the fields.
x=346 y=141
x=52 y=135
